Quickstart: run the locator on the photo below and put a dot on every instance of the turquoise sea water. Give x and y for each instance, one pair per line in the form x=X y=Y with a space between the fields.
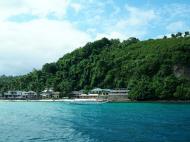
x=111 y=122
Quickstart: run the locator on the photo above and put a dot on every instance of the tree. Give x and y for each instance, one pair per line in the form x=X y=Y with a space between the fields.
x=187 y=34
x=141 y=89
x=182 y=92
x=179 y=34
x=131 y=40
x=50 y=68
x=173 y=35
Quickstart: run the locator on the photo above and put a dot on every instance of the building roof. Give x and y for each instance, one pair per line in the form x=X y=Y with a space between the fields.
x=48 y=90
x=31 y=92
x=100 y=90
x=96 y=90
x=92 y=95
x=45 y=94
x=15 y=93
x=119 y=90
x=56 y=93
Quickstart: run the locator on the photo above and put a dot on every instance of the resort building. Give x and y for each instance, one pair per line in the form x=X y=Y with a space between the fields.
x=47 y=93
x=77 y=94
x=80 y=94
x=121 y=91
x=29 y=95
x=20 y=95
x=87 y=96
x=13 y=95
x=56 y=95
x=50 y=94
x=102 y=93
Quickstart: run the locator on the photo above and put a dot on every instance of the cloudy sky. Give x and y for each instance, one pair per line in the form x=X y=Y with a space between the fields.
x=34 y=32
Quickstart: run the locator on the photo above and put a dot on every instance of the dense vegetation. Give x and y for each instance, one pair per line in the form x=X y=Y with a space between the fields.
x=152 y=69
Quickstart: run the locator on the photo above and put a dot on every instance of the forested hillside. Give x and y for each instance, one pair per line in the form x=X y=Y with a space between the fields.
x=151 y=69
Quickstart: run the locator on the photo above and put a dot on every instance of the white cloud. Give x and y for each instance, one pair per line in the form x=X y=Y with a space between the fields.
x=135 y=25
x=177 y=26
x=40 y=8
x=44 y=7
x=139 y=16
x=76 y=6
x=29 y=45
x=175 y=10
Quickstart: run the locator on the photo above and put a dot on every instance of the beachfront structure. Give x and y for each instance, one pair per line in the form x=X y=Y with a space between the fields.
x=13 y=95
x=20 y=95
x=29 y=95
x=80 y=94
x=98 y=93
x=77 y=94
x=56 y=95
x=49 y=93
x=87 y=96
x=121 y=91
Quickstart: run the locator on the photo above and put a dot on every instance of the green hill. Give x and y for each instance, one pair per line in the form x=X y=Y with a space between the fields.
x=152 y=69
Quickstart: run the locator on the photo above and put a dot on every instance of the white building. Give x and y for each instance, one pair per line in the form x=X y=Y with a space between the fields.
x=46 y=94
x=29 y=95
x=56 y=95
x=121 y=92
x=100 y=91
x=49 y=93
x=13 y=95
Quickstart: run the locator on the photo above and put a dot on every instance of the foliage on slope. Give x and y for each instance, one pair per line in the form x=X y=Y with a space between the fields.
x=147 y=68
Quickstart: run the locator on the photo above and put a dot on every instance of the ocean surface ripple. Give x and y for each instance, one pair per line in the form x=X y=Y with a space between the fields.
x=110 y=122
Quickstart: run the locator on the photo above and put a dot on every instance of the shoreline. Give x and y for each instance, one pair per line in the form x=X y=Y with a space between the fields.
x=124 y=101
x=44 y=100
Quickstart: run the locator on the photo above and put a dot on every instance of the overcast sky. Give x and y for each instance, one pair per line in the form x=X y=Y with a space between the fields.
x=34 y=32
